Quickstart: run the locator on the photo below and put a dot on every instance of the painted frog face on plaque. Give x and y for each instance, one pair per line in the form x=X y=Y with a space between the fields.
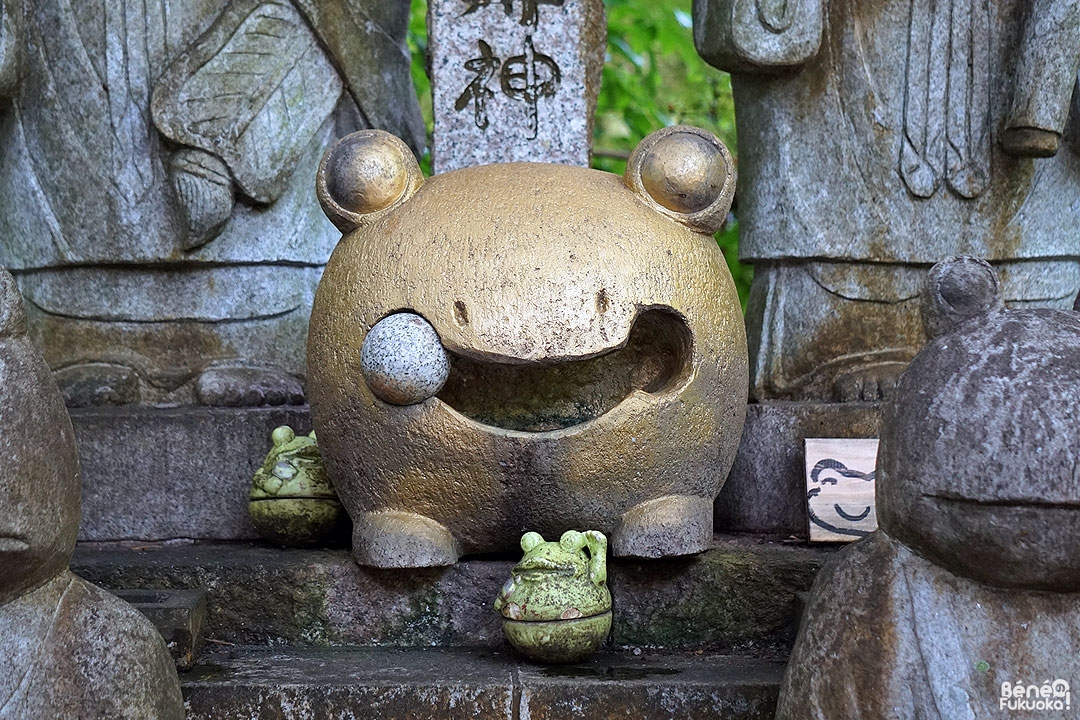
x=527 y=346
x=977 y=467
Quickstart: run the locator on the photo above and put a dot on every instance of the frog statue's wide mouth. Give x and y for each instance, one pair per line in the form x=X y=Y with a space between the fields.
x=542 y=397
x=542 y=566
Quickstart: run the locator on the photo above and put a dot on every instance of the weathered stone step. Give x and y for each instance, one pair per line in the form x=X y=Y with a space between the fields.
x=741 y=597
x=384 y=683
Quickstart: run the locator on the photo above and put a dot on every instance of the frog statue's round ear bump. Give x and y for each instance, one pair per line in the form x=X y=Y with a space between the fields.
x=530 y=540
x=957 y=289
x=282 y=435
x=685 y=173
x=364 y=173
x=572 y=540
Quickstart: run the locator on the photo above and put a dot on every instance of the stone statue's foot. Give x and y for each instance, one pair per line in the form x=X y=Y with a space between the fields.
x=669 y=525
x=398 y=539
x=1030 y=142
x=98 y=384
x=868 y=383
x=248 y=387
x=204 y=188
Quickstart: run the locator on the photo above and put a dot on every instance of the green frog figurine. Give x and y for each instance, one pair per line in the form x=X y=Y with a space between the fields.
x=292 y=501
x=556 y=606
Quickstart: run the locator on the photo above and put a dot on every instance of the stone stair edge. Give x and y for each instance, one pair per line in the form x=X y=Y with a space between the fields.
x=247 y=682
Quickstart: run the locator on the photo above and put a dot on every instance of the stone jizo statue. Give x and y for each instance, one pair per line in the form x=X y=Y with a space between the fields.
x=155 y=182
x=877 y=137
x=68 y=649
x=968 y=596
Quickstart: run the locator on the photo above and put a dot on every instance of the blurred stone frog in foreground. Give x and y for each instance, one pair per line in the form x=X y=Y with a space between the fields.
x=68 y=648
x=556 y=605
x=971 y=586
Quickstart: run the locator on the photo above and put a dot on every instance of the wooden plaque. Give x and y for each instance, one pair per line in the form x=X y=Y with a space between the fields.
x=840 y=488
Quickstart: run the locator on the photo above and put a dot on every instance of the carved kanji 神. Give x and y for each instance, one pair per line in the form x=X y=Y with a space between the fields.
x=477 y=91
x=526 y=77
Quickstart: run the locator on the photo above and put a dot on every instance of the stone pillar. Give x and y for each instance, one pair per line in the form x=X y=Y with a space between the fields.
x=514 y=80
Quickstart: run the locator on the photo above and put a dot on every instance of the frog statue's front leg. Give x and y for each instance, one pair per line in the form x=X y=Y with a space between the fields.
x=597 y=544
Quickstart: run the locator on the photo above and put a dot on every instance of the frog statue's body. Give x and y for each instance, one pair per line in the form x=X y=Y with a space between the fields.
x=527 y=347
x=970 y=590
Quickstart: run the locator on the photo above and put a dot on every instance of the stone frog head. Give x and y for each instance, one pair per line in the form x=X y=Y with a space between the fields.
x=979 y=460
x=527 y=346
x=39 y=494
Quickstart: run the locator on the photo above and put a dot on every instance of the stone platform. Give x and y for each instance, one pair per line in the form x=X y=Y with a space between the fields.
x=164 y=473
x=245 y=683
x=298 y=634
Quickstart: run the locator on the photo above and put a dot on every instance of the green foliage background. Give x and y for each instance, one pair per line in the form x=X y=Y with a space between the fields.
x=653 y=78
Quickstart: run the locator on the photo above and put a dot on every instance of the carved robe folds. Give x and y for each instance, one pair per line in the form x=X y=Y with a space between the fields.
x=877 y=137
x=155 y=194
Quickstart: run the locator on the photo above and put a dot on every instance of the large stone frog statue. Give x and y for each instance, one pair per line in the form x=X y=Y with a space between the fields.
x=68 y=649
x=527 y=346
x=969 y=593
x=556 y=606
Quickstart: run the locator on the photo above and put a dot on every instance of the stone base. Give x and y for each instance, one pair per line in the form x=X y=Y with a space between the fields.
x=156 y=474
x=388 y=684
x=766 y=489
x=740 y=597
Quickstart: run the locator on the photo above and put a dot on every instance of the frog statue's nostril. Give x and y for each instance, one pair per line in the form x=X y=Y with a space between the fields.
x=403 y=361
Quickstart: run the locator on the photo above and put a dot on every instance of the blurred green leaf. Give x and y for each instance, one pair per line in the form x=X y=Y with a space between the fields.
x=417 y=41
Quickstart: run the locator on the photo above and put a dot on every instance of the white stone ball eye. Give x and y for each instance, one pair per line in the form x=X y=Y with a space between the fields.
x=403 y=361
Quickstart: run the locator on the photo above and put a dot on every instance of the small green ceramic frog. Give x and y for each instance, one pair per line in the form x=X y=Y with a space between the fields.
x=556 y=605
x=292 y=501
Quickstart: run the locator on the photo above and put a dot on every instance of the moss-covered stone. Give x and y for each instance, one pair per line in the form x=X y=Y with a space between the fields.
x=740 y=596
